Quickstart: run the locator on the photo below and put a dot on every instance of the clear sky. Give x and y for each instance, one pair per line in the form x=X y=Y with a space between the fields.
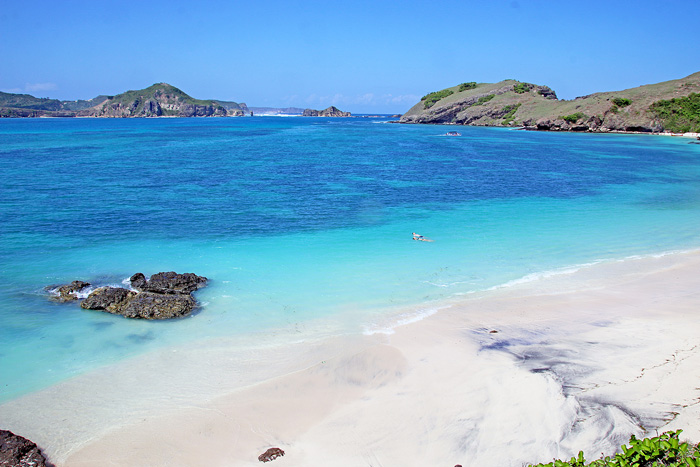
x=361 y=56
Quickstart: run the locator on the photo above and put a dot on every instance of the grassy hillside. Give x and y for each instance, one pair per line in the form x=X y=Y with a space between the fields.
x=514 y=103
x=25 y=101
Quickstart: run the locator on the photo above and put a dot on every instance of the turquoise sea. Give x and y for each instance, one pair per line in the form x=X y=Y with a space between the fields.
x=305 y=224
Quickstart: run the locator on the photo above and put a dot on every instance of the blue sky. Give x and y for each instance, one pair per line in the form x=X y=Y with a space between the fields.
x=361 y=56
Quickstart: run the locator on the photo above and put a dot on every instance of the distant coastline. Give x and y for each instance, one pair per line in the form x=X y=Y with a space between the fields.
x=157 y=101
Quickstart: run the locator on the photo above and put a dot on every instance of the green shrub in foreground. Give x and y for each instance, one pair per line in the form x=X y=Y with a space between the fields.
x=680 y=114
x=664 y=450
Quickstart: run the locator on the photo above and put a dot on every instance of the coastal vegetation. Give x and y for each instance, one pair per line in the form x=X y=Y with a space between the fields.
x=664 y=450
x=521 y=88
x=680 y=114
x=484 y=99
x=510 y=112
x=430 y=99
x=466 y=86
x=621 y=101
x=573 y=118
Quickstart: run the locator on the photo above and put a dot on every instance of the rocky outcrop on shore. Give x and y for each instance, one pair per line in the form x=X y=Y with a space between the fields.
x=270 y=455
x=17 y=451
x=164 y=295
x=329 y=112
x=654 y=108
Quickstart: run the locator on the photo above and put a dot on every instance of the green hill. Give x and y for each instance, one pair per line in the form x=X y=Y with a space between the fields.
x=671 y=106
x=25 y=101
x=159 y=100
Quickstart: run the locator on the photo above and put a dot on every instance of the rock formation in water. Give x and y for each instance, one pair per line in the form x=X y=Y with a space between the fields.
x=671 y=106
x=165 y=295
x=329 y=112
x=17 y=451
x=68 y=292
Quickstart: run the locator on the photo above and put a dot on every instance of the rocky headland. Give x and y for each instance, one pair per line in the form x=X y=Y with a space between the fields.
x=671 y=106
x=329 y=112
x=164 y=295
x=159 y=100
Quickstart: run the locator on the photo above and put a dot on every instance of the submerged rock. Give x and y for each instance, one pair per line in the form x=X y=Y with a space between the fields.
x=270 y=455
x=18 y=451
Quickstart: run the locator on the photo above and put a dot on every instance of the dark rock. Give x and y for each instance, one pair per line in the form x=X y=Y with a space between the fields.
x=165 y=295
x=168 y=283
x=329 y=112
x=547 y=92
x=16 y=451
x=111 y=299
x=270 y=455
x=70 y=291
x=138 y=281
x=149 y=305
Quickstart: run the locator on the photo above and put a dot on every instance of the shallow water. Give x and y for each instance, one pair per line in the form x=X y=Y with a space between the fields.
x=304 y=221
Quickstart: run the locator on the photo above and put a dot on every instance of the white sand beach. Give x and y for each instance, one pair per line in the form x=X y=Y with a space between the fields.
x=539 y=369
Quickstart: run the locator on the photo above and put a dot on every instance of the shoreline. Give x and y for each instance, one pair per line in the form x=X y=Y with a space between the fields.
x=608 y=348
x=610 y=132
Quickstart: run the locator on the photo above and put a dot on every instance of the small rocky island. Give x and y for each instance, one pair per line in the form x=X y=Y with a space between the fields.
x=329 y=112
x=165 y=295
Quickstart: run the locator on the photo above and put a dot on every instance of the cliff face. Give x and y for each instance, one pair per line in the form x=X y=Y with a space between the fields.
x=512 y=103
x=329 y=112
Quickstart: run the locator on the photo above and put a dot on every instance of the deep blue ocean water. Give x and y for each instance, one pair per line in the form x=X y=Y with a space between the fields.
x=301 y=221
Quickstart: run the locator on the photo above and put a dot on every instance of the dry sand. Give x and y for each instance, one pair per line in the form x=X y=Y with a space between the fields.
x=579 y=360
